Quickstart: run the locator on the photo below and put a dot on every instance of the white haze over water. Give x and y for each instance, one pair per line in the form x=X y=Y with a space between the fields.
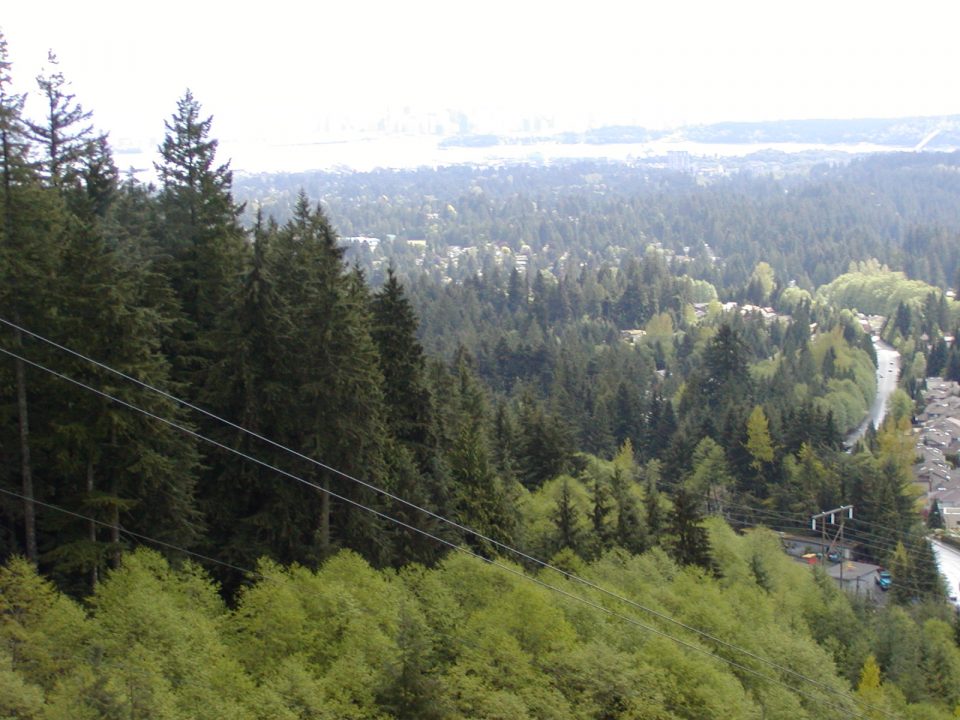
x=412 y=152
x=283 y=79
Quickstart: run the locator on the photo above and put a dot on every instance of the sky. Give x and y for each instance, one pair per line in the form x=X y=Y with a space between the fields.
x=307 y=72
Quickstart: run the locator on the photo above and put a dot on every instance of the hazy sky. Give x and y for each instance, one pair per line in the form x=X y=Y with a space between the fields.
x=283 y=69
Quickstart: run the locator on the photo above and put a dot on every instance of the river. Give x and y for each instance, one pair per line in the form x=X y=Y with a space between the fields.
x=888 y=372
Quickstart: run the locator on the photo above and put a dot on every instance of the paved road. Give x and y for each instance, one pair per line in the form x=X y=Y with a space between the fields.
x=888 y=371
x=949 y=561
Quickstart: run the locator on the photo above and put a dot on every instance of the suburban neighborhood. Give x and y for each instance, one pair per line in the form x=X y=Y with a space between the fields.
x=937 y=431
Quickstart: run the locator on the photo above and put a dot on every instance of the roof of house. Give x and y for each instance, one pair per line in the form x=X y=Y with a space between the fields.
x=949 y=498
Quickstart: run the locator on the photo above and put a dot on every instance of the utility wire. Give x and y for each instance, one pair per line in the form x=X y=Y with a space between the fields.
x=467 y=551
x=878 y=541
x=914 y=585
x=873 y=540
x=749 y=516
x=131 y=533
x=85 y=656
x=452 y=523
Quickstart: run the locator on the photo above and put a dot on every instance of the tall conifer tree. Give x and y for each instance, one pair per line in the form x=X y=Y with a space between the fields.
x=200 y=236
x=402 y=360
x=29 y=229
x=117 y=464
x=65 y=136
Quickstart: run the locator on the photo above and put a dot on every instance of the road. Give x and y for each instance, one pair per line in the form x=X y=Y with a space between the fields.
x=949 y=561
x=888 y=372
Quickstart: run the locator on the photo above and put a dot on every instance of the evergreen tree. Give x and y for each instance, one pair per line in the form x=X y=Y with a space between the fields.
x=203 y=244
x=409 y=416
x=65 y=137
x=252 y=385
x=602 y=536
x=565 y=519
x=407 y=399
x=117 y=464
x=481 y=498
x=629 y=531
x=710 y=478
x=319 y=390
x=504 y=442
x=719 y=390
x=951 y=369
x=32 y=220
x=759 y=443
x=937 y=358
x=339 y=412
x=690 y=544
x=935 y=516
x=545 y=445
x=653 y=510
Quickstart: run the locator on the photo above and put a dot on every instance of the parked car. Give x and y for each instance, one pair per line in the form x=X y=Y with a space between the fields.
x=834 y=556
x=884 y=580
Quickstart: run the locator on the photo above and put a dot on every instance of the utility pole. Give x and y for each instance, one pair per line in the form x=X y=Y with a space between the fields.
x=830 y=516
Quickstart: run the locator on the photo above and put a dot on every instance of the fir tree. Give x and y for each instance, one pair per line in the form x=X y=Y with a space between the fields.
x=546 y=446
x=65 y=137
x=480 y=496
x=598 y=517
x=690 y=544
x=629 y=528
x=565 y=519
x=935 y=516
x=32 y=220
x=402 y=361
x=203 y=243
x=116 y=463
x=653 y=510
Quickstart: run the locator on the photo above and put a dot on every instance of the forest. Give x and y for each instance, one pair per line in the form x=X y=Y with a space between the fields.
x=809 y=227
x=247 y=472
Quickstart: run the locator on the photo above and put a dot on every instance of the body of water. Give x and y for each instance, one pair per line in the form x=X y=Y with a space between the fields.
x=888 y=372
x=404 y=152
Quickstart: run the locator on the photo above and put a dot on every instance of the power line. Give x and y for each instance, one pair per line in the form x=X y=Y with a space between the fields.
x=789 y=523
x=914 y=584
x=873 y=540
x=878 y=541
x=342 y=474
x=507 y=568
x=452 y=523
x=131 y=533
x=386 y=493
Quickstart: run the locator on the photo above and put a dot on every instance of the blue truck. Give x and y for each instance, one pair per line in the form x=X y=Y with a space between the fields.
x=883 y=579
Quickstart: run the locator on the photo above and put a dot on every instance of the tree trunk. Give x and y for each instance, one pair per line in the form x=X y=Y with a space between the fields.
x=115 y=534
x=325 y=520
x=92 y=532
x=26 y=469
x=115 y=507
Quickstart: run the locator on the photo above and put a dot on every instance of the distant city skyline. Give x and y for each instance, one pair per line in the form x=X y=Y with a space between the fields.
x=292 y=73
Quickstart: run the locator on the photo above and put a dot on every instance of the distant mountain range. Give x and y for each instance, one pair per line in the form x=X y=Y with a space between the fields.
x=929 y=132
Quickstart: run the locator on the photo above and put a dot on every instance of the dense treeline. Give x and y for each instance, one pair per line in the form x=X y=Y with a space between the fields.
x=268 y=328
x=746 y=412
x=464 y=640
x=516 y=410
x=898 y=208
